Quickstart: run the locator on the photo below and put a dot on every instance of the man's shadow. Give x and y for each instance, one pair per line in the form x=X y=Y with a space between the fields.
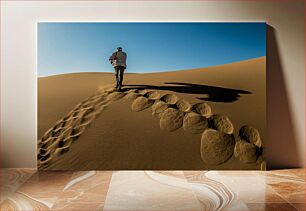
x=211 y=93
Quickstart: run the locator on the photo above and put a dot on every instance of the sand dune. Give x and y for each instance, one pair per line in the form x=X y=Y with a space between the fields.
x=156 y=122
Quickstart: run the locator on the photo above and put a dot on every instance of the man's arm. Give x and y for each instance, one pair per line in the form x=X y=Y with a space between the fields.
x=112 y=58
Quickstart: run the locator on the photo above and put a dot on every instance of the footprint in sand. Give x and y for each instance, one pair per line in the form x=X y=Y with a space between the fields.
x=169 y=99
x=141 y=103
x=158 y=108
x=183 y=105
x=202 y=108
x=132 y=96
x=221 y=123
x=153 y=95
x=171 y=119
x=194 y=123
x=245 y=151
x=142 y=91
x=250 y=134
x=115 y=96
x=216 y=147
x=248 y=145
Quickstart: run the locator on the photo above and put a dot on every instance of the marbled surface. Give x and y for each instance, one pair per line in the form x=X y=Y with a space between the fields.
x=28 y=189
x=11 y=179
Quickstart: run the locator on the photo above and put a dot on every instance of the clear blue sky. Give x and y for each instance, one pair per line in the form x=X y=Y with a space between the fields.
x=151 y=47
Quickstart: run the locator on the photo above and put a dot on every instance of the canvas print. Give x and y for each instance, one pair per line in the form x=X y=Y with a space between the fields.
x=155 y=96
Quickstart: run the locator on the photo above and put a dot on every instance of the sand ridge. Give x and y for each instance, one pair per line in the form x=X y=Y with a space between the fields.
x=217 y=142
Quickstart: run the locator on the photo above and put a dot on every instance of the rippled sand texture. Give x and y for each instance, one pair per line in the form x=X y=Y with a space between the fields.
x=155 y=190
x=151 y=127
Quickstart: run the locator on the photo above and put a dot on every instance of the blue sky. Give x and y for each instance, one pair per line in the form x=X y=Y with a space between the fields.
x=151 y=47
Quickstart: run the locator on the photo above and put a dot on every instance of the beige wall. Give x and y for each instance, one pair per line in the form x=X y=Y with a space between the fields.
x=286 y=62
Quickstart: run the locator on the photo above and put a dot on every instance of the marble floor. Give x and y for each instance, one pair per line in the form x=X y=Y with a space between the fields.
x=28 y=189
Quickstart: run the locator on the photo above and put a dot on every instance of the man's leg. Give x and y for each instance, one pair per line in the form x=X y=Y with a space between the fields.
x=117 y=76
x=121 y=75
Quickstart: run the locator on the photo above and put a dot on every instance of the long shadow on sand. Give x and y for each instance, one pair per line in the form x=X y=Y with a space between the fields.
x=211 y=93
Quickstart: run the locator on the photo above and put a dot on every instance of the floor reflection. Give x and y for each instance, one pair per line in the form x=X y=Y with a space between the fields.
x=28 y=189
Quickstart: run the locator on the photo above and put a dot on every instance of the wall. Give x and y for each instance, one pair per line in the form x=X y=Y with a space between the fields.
x=285 y=73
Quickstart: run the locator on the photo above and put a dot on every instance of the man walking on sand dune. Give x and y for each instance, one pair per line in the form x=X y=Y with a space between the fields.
x=118 y=60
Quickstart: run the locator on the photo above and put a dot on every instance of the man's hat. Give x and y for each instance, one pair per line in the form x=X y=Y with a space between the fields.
x=119 y=48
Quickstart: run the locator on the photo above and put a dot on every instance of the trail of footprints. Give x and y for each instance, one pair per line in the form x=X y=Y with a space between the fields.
x=218 y=143
x=58 y=139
